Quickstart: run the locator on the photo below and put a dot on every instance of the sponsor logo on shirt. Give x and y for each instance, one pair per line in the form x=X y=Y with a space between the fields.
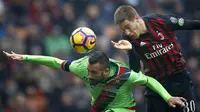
x=162 y=37
x=180 y=21
x=159 y=50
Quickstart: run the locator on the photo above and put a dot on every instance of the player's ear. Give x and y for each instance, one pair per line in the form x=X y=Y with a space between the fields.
x=107 y=71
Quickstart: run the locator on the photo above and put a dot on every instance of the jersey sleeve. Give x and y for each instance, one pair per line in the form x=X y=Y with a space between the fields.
x=77 y=67
x=179 y=23
x=43 y=60
x=138 y=78
x=153 y=84
x=134 y=59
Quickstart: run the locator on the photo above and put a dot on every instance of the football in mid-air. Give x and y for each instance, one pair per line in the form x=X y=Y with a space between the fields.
x=83 y=40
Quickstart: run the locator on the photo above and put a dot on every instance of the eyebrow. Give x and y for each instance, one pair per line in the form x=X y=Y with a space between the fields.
x=92 y=70
x=125 y=27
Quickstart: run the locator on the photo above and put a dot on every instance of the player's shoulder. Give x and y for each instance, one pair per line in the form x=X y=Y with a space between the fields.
x=162 y=16
x=120 y=63
x=80 y=60
x=153 y=16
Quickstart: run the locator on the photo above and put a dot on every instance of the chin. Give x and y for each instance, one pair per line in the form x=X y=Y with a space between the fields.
x=135 y=37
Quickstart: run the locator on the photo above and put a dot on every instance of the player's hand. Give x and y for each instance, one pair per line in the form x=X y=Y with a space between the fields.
x=14 y=56
x=122 y=44
x=176 y=101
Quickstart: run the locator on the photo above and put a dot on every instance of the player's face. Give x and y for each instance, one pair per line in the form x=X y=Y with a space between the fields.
x=131 y=28
x=96 y=74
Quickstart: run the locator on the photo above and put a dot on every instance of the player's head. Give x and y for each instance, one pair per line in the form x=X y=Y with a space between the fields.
x=98 y=67
x=127 y=18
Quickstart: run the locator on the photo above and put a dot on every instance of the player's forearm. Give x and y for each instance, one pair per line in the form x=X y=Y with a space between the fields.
x=158 y=88
x=191 y=25
x=134 y=61
x=43 y=60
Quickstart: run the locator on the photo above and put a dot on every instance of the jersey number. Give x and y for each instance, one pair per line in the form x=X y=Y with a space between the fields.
x=189 y=106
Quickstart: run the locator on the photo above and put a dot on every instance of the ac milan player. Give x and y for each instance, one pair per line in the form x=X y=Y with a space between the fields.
x=153 y=39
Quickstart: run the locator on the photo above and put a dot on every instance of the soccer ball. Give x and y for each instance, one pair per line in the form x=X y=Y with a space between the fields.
x=83 y=40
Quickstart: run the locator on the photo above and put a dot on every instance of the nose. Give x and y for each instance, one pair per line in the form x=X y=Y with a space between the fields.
x=127 y=32
x=89 y=75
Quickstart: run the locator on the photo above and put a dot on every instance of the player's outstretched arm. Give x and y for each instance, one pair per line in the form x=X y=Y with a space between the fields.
x=158 y=88
x=143 y=80
x=43 y=60
x=191 y=25
x=178 y=23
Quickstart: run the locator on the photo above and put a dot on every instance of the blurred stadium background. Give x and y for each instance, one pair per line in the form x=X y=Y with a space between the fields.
x=43 y=27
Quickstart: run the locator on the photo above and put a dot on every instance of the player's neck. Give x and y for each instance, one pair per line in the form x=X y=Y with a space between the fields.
x=144 y=28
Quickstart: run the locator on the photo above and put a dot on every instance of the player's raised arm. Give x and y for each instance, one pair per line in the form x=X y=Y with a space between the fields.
x=153 y=84
x=42 y=60
x=178 y=23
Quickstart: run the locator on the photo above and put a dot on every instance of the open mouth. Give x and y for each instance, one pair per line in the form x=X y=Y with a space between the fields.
x=135 y=35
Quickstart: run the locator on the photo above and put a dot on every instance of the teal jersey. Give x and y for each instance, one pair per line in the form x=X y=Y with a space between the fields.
x=115 y=91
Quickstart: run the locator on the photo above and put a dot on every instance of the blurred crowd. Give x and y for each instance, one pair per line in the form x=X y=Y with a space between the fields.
x=43 y=27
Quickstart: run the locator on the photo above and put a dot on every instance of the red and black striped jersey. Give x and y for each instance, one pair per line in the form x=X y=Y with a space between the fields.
x=158 y=48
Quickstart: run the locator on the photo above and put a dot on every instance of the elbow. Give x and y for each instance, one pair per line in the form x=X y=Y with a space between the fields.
x=57 y=63
x=147 y=83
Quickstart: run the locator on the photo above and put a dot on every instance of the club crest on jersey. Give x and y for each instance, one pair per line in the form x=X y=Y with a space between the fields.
x=180 y=22
x=160 y=35
x=174 y=20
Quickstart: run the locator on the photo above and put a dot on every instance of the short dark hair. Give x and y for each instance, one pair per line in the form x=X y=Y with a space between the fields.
x=124 y=12
x=99 y=57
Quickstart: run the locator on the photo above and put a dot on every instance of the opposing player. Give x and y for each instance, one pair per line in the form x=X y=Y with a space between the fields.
x=152 y=39
x=109 y=81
